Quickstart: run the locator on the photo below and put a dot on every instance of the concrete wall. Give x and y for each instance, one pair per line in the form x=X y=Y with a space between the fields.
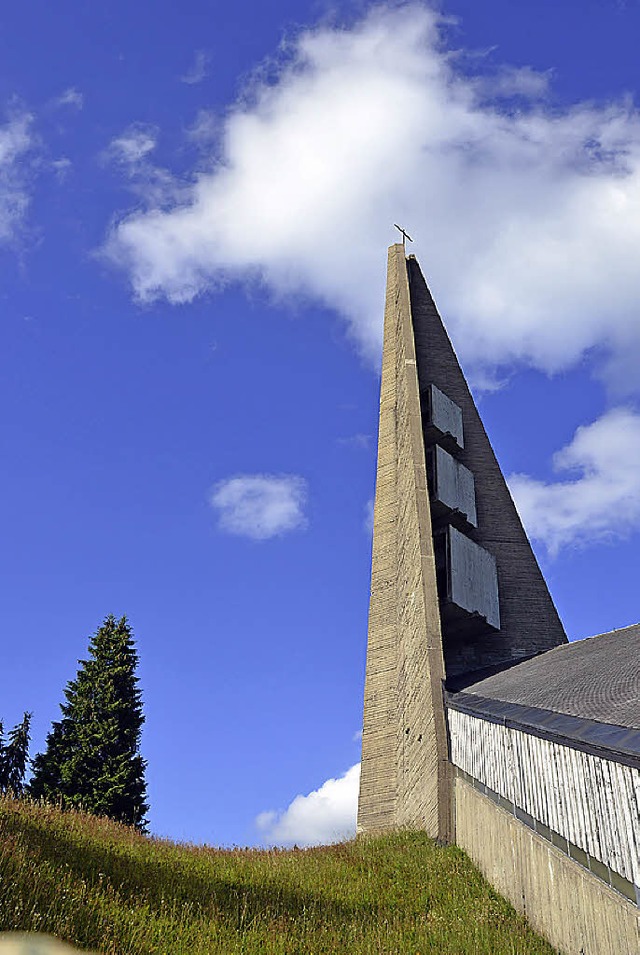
x=584 y=802
x=405 y=767
x=378 y=777
x=572 y=908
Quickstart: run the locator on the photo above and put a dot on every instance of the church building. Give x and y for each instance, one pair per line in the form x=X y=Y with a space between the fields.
x=483 y=725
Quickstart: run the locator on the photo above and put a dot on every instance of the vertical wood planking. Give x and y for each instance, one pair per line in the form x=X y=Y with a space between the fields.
x=592 y=802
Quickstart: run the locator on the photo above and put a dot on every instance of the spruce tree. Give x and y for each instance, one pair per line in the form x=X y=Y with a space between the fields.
x=92 y=758
x=14 y=757
x=3 y=761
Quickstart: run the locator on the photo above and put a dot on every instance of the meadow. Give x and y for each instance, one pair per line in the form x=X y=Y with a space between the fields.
x=106 y=888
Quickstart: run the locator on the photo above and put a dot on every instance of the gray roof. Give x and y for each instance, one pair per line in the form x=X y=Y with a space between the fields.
x=596 y=679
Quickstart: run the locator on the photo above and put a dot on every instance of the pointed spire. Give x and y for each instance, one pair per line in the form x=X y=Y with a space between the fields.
x=456 y=591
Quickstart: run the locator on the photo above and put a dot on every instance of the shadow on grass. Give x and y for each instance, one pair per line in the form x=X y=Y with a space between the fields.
x=158 y=882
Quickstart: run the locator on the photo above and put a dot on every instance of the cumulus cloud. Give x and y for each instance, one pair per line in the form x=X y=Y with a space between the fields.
x=16 y=141
x=602 y=500
x=260 y=506
x=527 y=219
x=326 y=815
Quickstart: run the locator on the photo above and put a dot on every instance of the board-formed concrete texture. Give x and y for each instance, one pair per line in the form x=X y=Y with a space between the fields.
x=481 y=724
x=529 y=622
x=416 y=640
x=405 y=767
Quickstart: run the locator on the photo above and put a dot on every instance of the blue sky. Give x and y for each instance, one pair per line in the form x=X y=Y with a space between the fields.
x=195 y=205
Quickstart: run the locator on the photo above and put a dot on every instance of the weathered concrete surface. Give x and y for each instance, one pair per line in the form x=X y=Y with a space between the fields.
x=377 y=799
x=405 y=769
x=573 y=909
x=529 y=622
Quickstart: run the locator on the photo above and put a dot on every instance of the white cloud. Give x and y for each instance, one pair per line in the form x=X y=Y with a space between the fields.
x=70 y=97
x=198 y=69
x=260 y=506
x=326 y=815
x=368 y=516
x=16 y=141
x=511 y=82
x=359 y=441
x=61 y=167
x=153 y=186
x=602 y=502
x=133 y=145
x=204 y=129
x=527 y=220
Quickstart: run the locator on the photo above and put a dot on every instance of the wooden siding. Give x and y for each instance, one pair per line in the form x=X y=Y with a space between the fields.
x=593 y=803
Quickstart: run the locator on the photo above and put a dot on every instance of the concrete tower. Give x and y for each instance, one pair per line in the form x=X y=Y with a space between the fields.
x=456 y=591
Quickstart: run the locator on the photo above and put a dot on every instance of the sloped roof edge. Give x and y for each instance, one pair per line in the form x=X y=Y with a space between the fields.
x=596 y=679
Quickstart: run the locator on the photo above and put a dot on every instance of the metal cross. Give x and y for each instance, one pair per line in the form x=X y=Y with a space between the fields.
x=405 y=236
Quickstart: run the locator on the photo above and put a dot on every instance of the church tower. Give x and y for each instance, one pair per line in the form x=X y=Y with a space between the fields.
x=456 y=591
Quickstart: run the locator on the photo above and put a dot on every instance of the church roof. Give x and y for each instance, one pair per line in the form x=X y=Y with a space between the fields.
x=597 y=679
x=587 y=691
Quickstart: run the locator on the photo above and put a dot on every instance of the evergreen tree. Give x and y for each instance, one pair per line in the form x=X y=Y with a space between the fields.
x=14 y=757
x=92 y=759
x=3 y=762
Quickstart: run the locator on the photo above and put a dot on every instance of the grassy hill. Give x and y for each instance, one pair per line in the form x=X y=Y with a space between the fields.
x=101 y=886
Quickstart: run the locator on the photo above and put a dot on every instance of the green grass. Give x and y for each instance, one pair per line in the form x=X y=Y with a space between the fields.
x=101 y=886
